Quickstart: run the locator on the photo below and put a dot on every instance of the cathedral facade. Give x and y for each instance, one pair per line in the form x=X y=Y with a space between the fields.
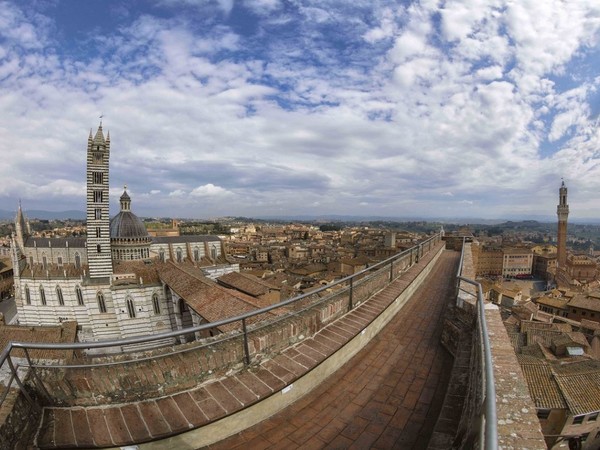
x=110 y=281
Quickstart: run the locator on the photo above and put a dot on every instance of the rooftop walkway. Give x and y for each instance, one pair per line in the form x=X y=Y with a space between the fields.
x=388 y=396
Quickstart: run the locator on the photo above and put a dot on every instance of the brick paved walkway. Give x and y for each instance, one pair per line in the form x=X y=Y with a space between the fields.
x=388 y=396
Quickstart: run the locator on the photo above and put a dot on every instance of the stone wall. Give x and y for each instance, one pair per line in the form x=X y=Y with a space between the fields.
x=18 y=421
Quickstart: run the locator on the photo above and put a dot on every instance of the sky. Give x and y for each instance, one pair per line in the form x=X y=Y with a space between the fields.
x=253 y=108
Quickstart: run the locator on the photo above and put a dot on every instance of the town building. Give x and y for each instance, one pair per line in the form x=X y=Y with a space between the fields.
x=516 y=262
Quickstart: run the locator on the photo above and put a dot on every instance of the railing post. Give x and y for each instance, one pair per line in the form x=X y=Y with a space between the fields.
x=246 y=348
x=36 y=376
x=14 y=373
x=350 y=306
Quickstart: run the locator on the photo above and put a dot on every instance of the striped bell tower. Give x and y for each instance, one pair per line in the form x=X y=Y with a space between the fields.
x=98 y=220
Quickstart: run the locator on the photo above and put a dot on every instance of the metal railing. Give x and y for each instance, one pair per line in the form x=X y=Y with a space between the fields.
x=349 y=284
x=488 y=430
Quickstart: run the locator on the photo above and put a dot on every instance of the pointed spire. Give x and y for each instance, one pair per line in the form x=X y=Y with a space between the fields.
x=107 y=136
x=21 y=228
x=90 y=137
x=99 y=138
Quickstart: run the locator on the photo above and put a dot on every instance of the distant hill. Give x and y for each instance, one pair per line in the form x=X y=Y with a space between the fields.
x=44 y=215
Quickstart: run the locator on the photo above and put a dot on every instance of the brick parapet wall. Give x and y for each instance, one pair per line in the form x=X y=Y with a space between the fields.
x=518 y=425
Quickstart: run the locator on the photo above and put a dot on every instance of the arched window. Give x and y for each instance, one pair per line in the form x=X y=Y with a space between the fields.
x=42 y=295
x=59 y=296
x=27 y=295
x=179 y=255
x=98 y=248
x=101 y=304
x=45 y=262
x=156 y=303
x=77 y=261
x=196 y=254
x=79 y=296
x=130 y=307
x=213 y=252
x=161 y=255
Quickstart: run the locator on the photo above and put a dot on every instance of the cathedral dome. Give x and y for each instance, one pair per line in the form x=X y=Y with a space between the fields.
x=129 y=239
x=126 y=225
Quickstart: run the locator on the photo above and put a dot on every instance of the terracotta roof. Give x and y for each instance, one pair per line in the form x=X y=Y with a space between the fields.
x=590 y=324
x=543 y=388
x=585 y=302
x=553 y=302
x=544 y=337
x=59 y=242
x=246 y=283
x=206 y=297
x=64 y=334
x=527 y=325
x=580 y=385
x=147 y=271
x=358 y=261
x=53 y=271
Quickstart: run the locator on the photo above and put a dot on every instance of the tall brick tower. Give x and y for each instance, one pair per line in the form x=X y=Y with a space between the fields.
x=98 y=220
x=563 y=213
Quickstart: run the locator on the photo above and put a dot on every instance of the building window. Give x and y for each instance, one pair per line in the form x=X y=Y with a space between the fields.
x=60 y=261
x=77 y=261
x=213 y=252
x=161 y=255
x=79 y=296
x=98 y=177
x=156 y=303
x=98 y=232
x=98 y=248
x=98 y=213
x=59 y=296
x=45 y=262
x=98 y=157
x=130 y=308
x=593 y=417
x=196 y=254
x=179 y=255
x=27 y=295
x=584 y=437
x=543 y=413
x=578 y=419
x=42 y=295
x=98 y=196
x=101 y=304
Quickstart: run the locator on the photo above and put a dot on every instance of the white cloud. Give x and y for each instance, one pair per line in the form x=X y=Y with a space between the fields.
x=209 y=190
